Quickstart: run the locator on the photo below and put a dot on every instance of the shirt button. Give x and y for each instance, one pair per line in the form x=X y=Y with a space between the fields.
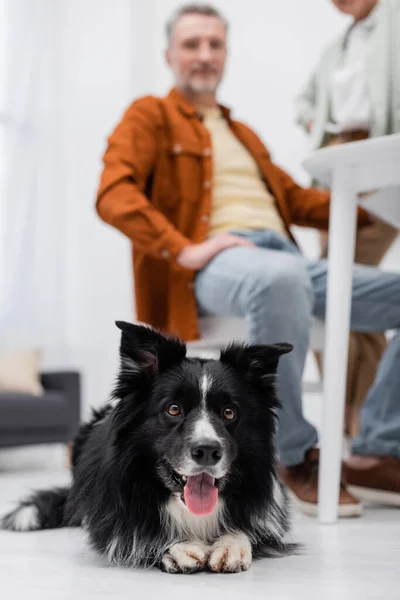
x=177 y=149
x=207 y=152
x=207 y=184
x=165 y=253
x=205 y=218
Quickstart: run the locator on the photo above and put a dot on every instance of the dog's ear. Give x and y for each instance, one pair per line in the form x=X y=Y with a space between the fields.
x=257 y=362
x=144 y=352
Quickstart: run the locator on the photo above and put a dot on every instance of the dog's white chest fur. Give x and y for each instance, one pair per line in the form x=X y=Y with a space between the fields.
x=186 y=525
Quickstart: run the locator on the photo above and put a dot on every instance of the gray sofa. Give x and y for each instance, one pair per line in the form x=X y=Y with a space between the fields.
x=50 y=418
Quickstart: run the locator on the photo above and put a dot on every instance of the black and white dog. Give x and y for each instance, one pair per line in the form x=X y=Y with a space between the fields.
x=179 y=469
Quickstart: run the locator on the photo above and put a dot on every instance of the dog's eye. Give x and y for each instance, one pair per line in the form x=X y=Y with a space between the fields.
x=174 y=410
x=229 y=414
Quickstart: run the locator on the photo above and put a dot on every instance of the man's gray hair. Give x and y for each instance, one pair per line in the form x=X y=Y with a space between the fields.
x=194 y=8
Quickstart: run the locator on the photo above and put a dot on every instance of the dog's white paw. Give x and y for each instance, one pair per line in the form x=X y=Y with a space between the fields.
x=23 y=518
x=230 y=554
x=185 y=557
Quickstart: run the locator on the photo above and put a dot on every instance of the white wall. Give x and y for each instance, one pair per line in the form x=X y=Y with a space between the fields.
x=113 y=52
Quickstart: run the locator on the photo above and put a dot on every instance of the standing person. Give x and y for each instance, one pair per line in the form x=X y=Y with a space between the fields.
x=355 y=94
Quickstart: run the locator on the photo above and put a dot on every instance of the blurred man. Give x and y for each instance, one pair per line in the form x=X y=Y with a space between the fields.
x=209 y=216
x=354 y=94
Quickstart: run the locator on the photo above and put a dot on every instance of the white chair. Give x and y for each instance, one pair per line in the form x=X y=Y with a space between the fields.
x=217 y=331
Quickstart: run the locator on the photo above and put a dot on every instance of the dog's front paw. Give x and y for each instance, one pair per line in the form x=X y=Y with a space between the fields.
x=230 y=554
x=24 y=518
x=185 y=557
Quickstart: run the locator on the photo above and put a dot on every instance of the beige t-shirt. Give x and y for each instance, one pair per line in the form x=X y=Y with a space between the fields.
x=240 y=197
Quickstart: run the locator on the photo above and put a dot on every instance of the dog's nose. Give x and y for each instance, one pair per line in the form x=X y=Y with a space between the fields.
x=206 y=453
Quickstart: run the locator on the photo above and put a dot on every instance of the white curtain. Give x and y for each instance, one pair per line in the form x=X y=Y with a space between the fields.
x=32 y=195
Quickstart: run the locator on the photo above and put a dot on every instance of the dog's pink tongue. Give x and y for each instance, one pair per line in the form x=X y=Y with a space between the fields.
x=200 y=494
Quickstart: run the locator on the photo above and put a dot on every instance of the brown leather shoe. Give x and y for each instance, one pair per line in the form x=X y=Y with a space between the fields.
x=302 y=483
x=379 y=483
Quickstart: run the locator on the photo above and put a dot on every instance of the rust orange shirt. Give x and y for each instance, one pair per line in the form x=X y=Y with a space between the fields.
x=156 y=188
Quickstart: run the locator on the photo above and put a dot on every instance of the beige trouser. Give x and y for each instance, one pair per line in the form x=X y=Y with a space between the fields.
x=365 y=349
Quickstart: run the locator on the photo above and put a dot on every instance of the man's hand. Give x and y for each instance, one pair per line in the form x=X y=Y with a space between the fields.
x=197 y=256
x=309 y=125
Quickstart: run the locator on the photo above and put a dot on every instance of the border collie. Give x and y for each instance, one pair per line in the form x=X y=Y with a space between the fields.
x=179 y=469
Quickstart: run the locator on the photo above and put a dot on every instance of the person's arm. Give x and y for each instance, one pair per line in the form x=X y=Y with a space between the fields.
x=305 y=104
x=128 y=162
x=309 y=207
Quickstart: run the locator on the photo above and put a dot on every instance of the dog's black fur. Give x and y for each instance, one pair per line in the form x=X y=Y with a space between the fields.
x=127 y=490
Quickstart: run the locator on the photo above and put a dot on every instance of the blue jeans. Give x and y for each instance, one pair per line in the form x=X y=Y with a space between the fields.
x=277 y=290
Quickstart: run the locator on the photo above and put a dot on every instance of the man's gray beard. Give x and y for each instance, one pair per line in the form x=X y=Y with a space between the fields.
x=211 y=88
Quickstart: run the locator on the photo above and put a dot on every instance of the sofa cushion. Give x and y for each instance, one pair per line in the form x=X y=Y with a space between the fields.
x=19 y=371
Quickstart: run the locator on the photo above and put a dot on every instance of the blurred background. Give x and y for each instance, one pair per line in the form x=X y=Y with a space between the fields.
x=68 y=70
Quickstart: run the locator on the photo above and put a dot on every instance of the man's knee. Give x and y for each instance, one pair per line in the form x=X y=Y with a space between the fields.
x=288 y=283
